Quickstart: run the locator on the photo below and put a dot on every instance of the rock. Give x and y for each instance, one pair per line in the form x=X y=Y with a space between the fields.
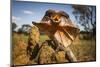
x=19 y=53
x=46 y=54
x=60 y=57
x=34 y=35
x=33 y=46
x=21 y=60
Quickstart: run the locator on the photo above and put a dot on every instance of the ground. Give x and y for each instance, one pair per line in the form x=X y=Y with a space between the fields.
x=84 y=50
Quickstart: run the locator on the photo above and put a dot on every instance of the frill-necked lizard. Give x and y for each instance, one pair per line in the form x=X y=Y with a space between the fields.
x=58 y=26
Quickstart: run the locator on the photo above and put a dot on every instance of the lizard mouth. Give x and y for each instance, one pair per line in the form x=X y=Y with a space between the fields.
x=56 y=18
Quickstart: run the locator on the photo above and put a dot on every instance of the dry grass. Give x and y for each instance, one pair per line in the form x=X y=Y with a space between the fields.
x=84 y=50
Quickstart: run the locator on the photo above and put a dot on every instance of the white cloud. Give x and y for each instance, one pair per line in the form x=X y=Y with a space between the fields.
x=28 y=12
x=14 y=18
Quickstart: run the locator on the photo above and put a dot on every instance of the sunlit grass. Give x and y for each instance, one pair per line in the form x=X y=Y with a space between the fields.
x=43 y=38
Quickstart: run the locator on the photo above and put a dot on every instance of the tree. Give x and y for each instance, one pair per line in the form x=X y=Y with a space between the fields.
x=24 y=29
x=85 y=16
x=14 y=25
x=20 y=30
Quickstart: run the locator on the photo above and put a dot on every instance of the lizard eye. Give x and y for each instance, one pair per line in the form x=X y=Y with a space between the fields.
x=49 y=12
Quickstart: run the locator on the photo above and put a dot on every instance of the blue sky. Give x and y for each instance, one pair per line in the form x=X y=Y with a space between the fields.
x=26 y=12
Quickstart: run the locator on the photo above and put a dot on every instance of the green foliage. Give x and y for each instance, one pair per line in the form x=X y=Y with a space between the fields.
x=85 y=16
x=24 y=29
x=14 y=25
x=43 y=38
